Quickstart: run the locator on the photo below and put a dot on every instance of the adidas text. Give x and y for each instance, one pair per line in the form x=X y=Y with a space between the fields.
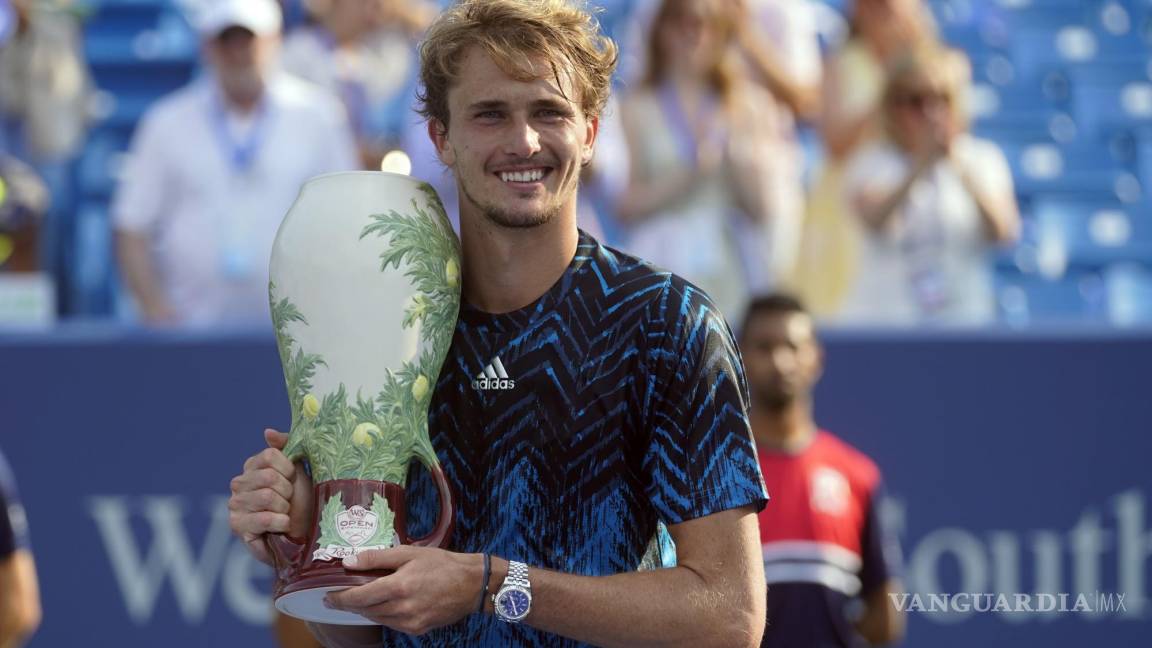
x=494 y=376
x=493 y=383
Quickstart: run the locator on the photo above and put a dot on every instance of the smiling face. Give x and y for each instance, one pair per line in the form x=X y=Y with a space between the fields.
x=516 y=147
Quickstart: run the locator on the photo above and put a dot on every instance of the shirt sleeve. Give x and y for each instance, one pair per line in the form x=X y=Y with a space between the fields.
x=701 y=458
x=990 y=168
x=13 y=523
x=140 y=196
x=879 y=549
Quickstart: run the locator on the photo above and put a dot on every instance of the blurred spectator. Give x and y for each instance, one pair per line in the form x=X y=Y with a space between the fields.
x=829 y=562
x=853 y=82
x=364 y=51
x=20 y=602
x=780 y=46
x=693 y=128
x=23 y=201
x=44 y=82
x=45 y=87
x=214 y=167
x=932 y=200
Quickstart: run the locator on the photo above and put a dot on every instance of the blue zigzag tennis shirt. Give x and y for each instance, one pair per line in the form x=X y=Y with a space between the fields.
x=570 y=427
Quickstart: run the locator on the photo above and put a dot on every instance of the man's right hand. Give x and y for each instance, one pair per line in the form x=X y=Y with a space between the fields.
x=272 y=495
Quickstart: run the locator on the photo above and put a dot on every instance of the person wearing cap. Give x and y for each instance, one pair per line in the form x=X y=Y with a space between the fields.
x=213 y=168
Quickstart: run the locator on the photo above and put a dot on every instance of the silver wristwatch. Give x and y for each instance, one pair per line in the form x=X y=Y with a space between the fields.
x=513 y=600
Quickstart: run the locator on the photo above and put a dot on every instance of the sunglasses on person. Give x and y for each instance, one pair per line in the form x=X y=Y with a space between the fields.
x=921 y=99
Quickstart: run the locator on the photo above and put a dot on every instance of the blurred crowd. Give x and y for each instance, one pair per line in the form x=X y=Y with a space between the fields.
x=751 y=145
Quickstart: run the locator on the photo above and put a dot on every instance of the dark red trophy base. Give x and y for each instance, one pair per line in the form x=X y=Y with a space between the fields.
x=302 y=582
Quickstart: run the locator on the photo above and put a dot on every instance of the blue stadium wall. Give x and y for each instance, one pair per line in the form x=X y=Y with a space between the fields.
x=1016 y=462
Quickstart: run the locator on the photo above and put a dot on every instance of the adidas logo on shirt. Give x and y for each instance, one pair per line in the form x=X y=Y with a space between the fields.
x=494 y=377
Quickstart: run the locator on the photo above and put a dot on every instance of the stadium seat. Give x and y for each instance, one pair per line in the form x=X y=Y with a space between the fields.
x=1093 y=234
x=99 y=162
x=111 y=29
x=1045 y=167
x=1029 y=299
x=1009 y=115
x=1128 y=289
x=1042 y=36
x=92 y=266
x=1122 y=28
x=1110 y=97
x=990 y=67
x=138 y=50
x=1144 y=159
x=967 y=37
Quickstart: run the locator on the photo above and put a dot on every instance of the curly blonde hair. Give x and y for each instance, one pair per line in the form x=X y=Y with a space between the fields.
x=515 y=33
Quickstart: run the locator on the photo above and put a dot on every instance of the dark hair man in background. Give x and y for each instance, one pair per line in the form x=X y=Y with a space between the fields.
x=828 y=563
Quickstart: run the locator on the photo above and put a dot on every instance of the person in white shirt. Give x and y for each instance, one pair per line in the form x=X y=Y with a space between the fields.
x=778 y=42
x=214 y=167
x=693 y=128
x=932 y=201
x=364 y=51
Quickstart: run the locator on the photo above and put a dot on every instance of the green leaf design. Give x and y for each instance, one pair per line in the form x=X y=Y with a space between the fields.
x=328 y=533
x=429 y=251
x=299 y=369
x=386 y=527
x=432 y=252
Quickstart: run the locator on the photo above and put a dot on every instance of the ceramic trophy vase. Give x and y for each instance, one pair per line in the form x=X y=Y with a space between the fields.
x=365 y=292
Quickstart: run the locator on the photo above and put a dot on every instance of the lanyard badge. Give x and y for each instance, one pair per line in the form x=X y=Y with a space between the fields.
x=242 y=153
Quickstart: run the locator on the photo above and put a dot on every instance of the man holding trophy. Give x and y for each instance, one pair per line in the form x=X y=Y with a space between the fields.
x=585 y=397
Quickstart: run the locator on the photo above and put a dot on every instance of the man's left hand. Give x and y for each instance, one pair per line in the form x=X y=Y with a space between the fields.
x=428 y=589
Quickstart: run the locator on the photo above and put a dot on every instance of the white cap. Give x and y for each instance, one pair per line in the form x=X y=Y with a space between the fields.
x=261 y=17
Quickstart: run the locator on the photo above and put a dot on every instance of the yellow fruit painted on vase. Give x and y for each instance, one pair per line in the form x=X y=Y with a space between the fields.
x=7 y=247
x=310 y=408
x=452 y=273
x=362 y=435
x=420 y=388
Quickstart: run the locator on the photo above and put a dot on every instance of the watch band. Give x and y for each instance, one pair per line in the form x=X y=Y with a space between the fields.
x=517 y=574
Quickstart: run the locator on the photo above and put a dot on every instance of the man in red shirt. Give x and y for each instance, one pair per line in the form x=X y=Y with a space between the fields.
x=828 y=563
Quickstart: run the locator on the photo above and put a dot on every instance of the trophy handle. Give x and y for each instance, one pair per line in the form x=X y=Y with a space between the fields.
x=446 y=521
x=284 y=549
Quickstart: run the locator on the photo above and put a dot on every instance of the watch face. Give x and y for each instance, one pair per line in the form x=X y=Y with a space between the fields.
x=513 y=603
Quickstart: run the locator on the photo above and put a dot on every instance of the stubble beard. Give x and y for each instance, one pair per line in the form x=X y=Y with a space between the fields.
x=513 y=219
x=518 y=220
x=774 y=400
